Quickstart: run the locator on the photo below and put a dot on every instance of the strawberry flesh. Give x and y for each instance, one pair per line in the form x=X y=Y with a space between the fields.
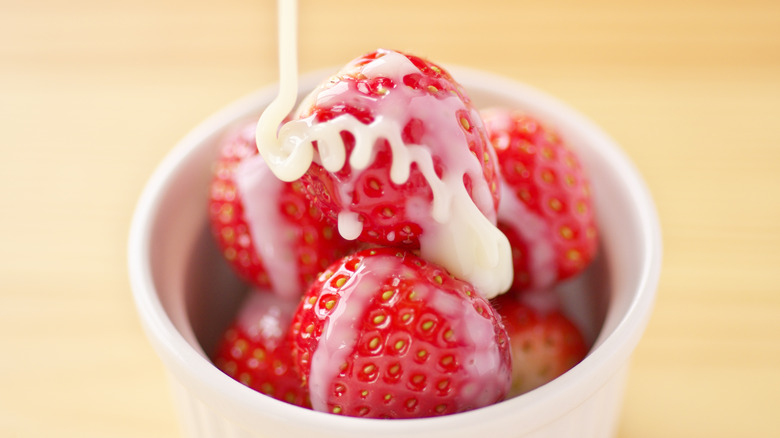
x=546 y=208
x=255 y=349
x=545 y=343
x=385 y=334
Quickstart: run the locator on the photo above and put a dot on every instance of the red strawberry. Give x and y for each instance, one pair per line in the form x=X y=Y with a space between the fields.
x=255 y=350
x=267 y=229
x=546 y=209
x=424 y=106
x=385 y=334
x=544 y=342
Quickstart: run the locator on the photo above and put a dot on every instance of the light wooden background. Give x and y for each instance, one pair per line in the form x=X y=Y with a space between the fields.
x=94 y=93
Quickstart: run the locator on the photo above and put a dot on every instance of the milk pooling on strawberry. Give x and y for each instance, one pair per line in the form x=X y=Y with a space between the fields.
x=339 y=337
x=458 y=226
x=260 y=190
x=534 y=231
x=264 y=314
x=537 y=236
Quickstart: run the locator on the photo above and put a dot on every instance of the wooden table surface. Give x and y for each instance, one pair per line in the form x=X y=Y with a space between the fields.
x=94 y=93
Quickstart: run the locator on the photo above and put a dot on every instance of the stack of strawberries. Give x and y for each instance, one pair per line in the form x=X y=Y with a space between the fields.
x=371 y=327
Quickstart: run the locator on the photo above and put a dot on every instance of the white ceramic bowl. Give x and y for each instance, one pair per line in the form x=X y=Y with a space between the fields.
x=186 y=295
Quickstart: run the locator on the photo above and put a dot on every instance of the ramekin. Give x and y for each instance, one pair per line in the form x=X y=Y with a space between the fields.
x=185 y=294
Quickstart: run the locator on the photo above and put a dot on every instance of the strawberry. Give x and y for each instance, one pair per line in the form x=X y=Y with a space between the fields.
x=255 y=349
x=546 y=209
x=265 y=228
x=384 y=334
x=421 y=105
x=544 y=342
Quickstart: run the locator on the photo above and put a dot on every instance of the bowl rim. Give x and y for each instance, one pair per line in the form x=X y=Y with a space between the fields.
x=191 y=366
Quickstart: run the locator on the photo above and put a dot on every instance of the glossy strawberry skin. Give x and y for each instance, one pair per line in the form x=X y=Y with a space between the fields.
x=310 y=242
x=412 y=347
x=255 y=349
x=547 y=210
x=545 y=343
x=381 y=203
